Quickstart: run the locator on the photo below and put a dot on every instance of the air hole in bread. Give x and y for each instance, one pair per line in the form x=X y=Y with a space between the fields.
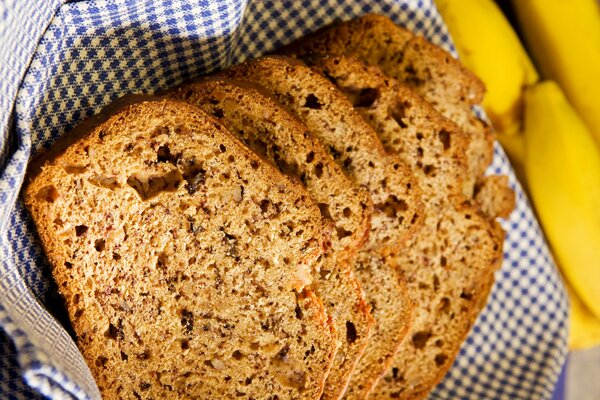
x=439 y=343
x=398 y=113
x=48 y=193
x=351 y=334
x=342 y=233
x=144 y=386
x=414 y=218
x=396 y=374
x=392 y=206
x=436 y=283
x=101 y=361
x=238 y=355
x=420 y=339
x=218 y=113
x=113 y=332
x=443 y=261
x=144 y=355
x=264 y=205
x=444 y=136
x=68 y=265
x=312 y=102
x=290 y=169
x=324 y=208
x=222 y=148
x=319 y=170
x=310 y=157
x=347 y=212
x=440 y=359
x=364 y=97
x=420 y=152
x=466 y=295
x=299 y=312
x=248 y=381
x=116 y=256
x=163 y=155
x=80 y=230
x=124 y=356
x=444 y=304
x=185 y=344
x=100 y=244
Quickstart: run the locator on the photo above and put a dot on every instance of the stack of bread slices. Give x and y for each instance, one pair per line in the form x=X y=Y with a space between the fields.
x=308 y=225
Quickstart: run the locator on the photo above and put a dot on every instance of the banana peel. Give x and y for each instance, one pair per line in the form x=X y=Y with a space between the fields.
x=564 y=40
x=584 y=325
x=487 y=45
x=562 y=165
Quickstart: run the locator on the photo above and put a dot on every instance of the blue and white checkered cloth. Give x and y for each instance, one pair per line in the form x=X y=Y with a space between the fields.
x=60 y=62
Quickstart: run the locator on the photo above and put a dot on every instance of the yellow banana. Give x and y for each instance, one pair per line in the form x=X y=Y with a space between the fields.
x=489 y=47
x=584 y=326
x=562 y=165
x=564 y=39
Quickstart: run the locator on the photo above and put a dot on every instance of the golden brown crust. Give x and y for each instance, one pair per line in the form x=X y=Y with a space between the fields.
x=182 y=257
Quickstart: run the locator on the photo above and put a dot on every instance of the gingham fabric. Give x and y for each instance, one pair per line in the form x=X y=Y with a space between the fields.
x=61 y=62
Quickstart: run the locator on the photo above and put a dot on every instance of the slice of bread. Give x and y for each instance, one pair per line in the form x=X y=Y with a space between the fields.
x=429 y=70
x=397 y=198
x=184 y=259
x=450 y=271
x=263 y=125
x=449 y=266
x=433 y=146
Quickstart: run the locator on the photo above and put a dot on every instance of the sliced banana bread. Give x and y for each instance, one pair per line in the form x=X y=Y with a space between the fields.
x=449 y=266
x=183 y=259
x=349 y=139
x=433 y=146
x=263 y=125
x=429 y=70
x=396 y=196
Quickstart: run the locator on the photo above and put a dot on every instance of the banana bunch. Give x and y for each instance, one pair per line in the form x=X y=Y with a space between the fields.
x=564 y=40
x=562 y=165
x=550 y=142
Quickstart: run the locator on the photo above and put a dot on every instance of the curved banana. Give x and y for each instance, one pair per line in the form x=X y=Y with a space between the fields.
x=584 y=326
x=562 y=165
x=488 y=46
x=564 y=39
